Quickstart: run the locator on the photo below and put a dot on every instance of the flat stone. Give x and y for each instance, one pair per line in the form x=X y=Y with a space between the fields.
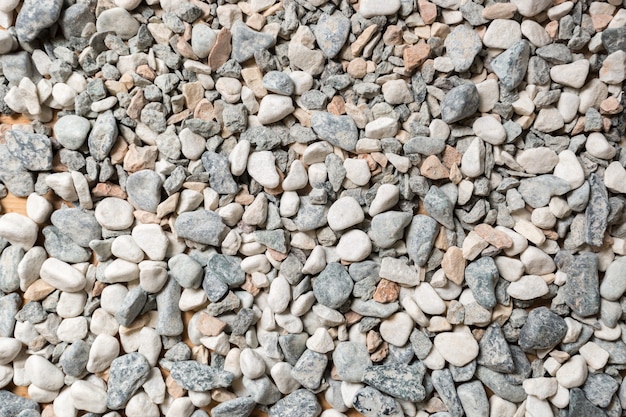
x=300 y=402
x=439 y=207
x=79 y=225
x=582 y=293
x=144 y=190
x=613 y=285
x=462 y=46
x=538 y=191
x=242 y=406
x=273 y=108
x=18 y=230
x=126 y=375
x=420 y=238
x=351 y=360
x=61 y=246
x=571 y=75
x=372 y=403
x=580 y=406
x=511 y=65
x=389 y=227
x=481 y=277
x=331 y=33
x=202 y=226
x=118 y=20
x=192 y=375
x=220 y=178
x=599 y=389
x=597 y=212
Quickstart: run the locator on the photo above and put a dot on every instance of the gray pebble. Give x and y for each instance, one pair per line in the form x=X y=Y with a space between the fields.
x=278 y=82
x=262 y=390
x=144 y=190
x=372 y=403
x=511 y=65
x=351 y=361
x=74 y=359
x=9 y=305
x=246 y=41
x=597 y=212
x=11 y=404
x=194 y=376
x=481 y=277
x=292 y=346
x=185 y=270
x=332 y=32
x=79 y=225
x=217 y=166
x=388 y=227
x=599 y=389
x=580 y=406
x=582 y=292
x=473 y=399
x=126 y=375
x=238 y=407
x=439 y=207
x=102 y=136
x=538 y=191
x=36 y=16
x=169 y=321
x=34 y=151
x=543 y=330
x=202 y=226
x=459 y=103
x=300 y=402
x=500 y=385
x=421 y=238
x=61 y=246
x=131 y=306
x=9 y=261
x=398 y=380
x=494 y=350
x=462 y=46
x=309 y=369
x=337 y=130
x=333 y=286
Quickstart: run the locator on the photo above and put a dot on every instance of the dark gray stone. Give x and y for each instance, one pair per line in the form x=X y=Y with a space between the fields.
x=463 y=373
x=333 y=286
x=577 y=200
x=500 y=385
x=309 y=369
x=32 y=312
x=11 y=404
x=580 y=406
x=169 y=320
x=599 y=389
x=74 y=19
x=9 y=306
x=263 y=138
x=144 y=190
x=79 y=225
x=555 y=53
x=131 y=306
x=372 y=403
x=292 y=346
x=246 y=41
x=220 y=178
x=543 y=329
x=279 y=82
x=481 y=277
x=61 y=246
x=17 y=65
x=597 y=212
x=126 y=375
x=582 y=292
x=227 y=269
x=102 y=136
x=34 y=151
x=351 y=360
x=262 y=390
x=238 y=407
x=614 y=39
x=194 y=376
x=538 y=191
x=36 y=16
x=273 y=239
x=310 y=216
x=202 y=226
x=422 y=345
x=332 y=32
x=184 y=269
x=299 y=403
x=398 y=380
x=443 y=383
x=388 y=227
x=459 y=103
x=421 y=237
x=74 y=359
x=424 y=145
x=511 y=65
x=439 y=207
x=494 y=350
x=9 y=260
x=339 y=131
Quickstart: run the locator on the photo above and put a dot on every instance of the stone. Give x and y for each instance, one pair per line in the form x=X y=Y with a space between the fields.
x=388 y=228
x=580 y=406
x=300 y=402
x=543 y=330
x=439 y=207
x=528 y=287
x=114 y=214
x=598 y=146
x=43 y=373
x=246 y=41
x=459 y=103
x=420 y=238
x=236 y=407
x=571 y=75
x=339 y=131
x=13 y=405
x=203 y=39
x=372 y=403
x=36 y=16
x=462 y=46
x=538 y=191
x=34 y=151
x=354 y=246
x=458 y=347
x=260 y=168
x=531 y=8
x=333 y=286
x=502 y=34
x=398 y=380
x=344 y=213
x=599 y=389
x=351 y=361
x=511 y=65
x=494 y=351
x=573 y=373
x=195 y=376
x=396 y=329
x=220 y=178
x=309 y=369
x=473 y=399
x=481 y=277
x=331 y=33
x=612 y=71
x=62 y=276
x=18 y=230
x=490 y=130
x=473 y=160
x=273 y=108
x=612 y=286
x=118 y=20
x=202 y=226
x=444 y=385
x=582 y=292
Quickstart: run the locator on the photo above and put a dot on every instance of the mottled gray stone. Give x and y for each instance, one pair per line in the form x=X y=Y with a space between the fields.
x=262 y=390
x=462 y=46
x=388 y=227
x=511 y=65
x=309 y=369
x=194 y=376
x=144 y=190
x=580 y=406
x=17 y=180
x=372 y=403
x=292 y=346
x=102 y=136
x=500 y=385
x=246 y=41
x=481 y=277
x=439 y=207
x=220 y=178
x=278 y=82
x=459 y=103
x=226 y=269
x=494 y=350
x=339 y=131
x=332 y=32
x=463 y=373
x=238 y=407
x=373 y=308
x=614 y=39
x=398 y=380
x=34 y=151
x=473 y=399
x=9 y=260
x=310 y=216
x=9 y=306
x=61 y=246
x=74 y=19
x=422 y=345
x=11 y=404
x=537 y=191
x=184 y=269
x=443 y=383
x=333 y=286
x=79 y=225
x=351 y=360
x=273 y=239
x=597 y=212
x=543 y=329
x=36 y=16
x=202 y=226
x=299 y=403
x=599 y=389
x=74 y=359
x=421 y=238
x=424 y=145
x=131 y=306
x=169 y=320
x=582 y=293
x=126 y=375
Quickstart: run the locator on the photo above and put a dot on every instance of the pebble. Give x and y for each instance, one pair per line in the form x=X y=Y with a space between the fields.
x=398 y=380
x=118 y=20
x=511 y=65
x=18 y=230
x=459 y=103
x=369 y=401
x=34 y=17
x=273 y=108
x=339 y=131
x=502 y=34
x=246 y=41
x=458 y=347
x=114 y=214
x=301 y=402
x=543 y=330
x=333 y=286
x=351 y=361
x=462 y=46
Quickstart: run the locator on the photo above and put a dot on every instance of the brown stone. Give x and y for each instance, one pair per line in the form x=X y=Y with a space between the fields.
x=357 y=68
x=137 y=103
x=601 y=21
x=433 y=168
x=209 y=325
x=552 y=29
x=193 y=93
x=184 y=49
x=146 y=72
x=455 y=313
x=249 y=286
x=48 y=411
x=146 y=217
x=386 y=291
x=119 y=150
x=221 y=50
x=256 y=21
x=494 y=237
x=455 y=174
x=97 y=289
x=415 y=55
x=352 y=317
x=107 y=189
x=173 y=389
x=453 y=264
x=253 y=78
x=178 y=117
x=381 y=353
x=204 y=110
x=337 y=105
x=360 y=42
x=38 y=290
x=451 y=156
x=610 y=106
x=373 y=341
x=579 y=127
x=499 y=11
x=393 y=35
x=277 y=256
x=428 y=11
x=140 y=157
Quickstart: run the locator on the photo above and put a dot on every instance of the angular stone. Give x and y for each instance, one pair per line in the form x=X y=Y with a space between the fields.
x=398 y=380
x=309 y=369
x=144 y=190
x=339 y=131
x=581 y=289
x=126 y=375
x=597 y=212
x=333 y=286
x=421 y=238
x=372 y=403
x=242 y=406
x=202 y=226
x=79 y=225
x=332 y=32
x=12 y=405
x=543 y=329
x=511 y=65
x=102 y=136
x=439 y=207
x=580 y=406
x=351 y=360
x=36 y=16
x=473 y=399
x=494 y=350
x=459 y=103
x=194 y=376
x=462 y=46
x=300 y=402
x=538 y=191
x=481 y=277
x=34 y=151
x=443 y=383
x=246 y=41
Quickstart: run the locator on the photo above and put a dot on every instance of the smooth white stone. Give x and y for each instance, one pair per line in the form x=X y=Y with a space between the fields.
x=126 y=248
x=121 y=270
x=19 y=230
x=261 y=168
x=457 y=347
x=251 y=364
x=140 y=405
x=155 y=386
x=354 y=246
x=528 y=287
x=152 y=240
x=62 y=276
x=320 y=341
x=541 y=388
x=114 y=213
x=281 y=374
x=573 y=373
x=344 y=213
x=43 y=373
x=598 y=146
x=104 y=349
x=279 y=294
x=387 y=196
x=297 y=177
x=569 y=169
x=274 y=108
x=571 y=75
x=38 y=208
x=473 y=160
x=88 y=397
x=428 y=300
x=397 y=329
x=72 y=329
x=615 y=177
x=371 y=8
x=384 y=127
x=489 y=129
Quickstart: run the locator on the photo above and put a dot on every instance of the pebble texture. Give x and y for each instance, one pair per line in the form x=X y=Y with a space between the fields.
x=410 y=208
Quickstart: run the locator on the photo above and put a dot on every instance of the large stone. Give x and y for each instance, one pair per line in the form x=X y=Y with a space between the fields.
x=34 y=151
x=459 y=103
x=511 y=65
x=339 y=131
x=543 y=329
x=194 y=376
x=246 y=41
x=331 y=33
x=421 y=238
x=202 y=226
x=126 y=375
x=36 y=16
x=582 y=292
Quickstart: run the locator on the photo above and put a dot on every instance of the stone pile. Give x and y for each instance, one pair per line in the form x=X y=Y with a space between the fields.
x=408 y=208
